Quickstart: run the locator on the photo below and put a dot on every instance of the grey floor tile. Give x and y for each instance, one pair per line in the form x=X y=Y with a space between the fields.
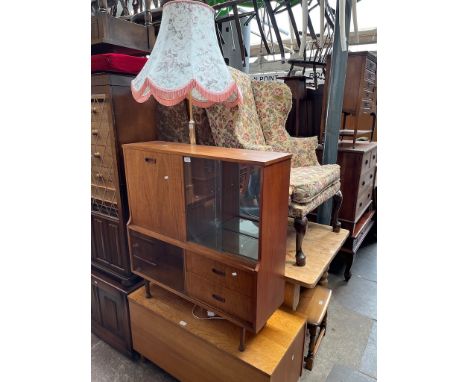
x=108 y=365
x=369 y=359
x=365 y=264
x=94 y=340
x=359 y=295
x=345 y=342
x=342 y=373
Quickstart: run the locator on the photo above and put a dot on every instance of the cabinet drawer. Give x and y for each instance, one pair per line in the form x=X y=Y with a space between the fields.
x=366 y=159
x=157 y=260
x=220 y=297
x=102 y=156
x=104 y=194
x=369 y=86
x=363 y=200
x=371 y=65
x=103 y=177
x=367 y=178
x=223 y=275
x=374 y=158
x=369 y=76
x=101 y=119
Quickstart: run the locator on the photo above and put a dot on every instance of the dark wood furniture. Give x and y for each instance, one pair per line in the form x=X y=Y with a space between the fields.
x=110 y=318
x=304 y=117
x=116 y=118
x=165 y=331
x=359 y=114
x=209 y=224
x=314 y=307
x=358 y=164
x=114 y=35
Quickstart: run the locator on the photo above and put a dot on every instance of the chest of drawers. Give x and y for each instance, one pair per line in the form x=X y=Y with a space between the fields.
x=359 y=113
x=116 y=118
x=358 y=173
x=209 y=224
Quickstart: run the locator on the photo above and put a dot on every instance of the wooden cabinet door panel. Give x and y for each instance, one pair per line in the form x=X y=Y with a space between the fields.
x=155 y=189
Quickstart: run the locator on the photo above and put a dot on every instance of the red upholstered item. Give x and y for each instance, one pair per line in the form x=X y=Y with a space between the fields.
x=117 y=63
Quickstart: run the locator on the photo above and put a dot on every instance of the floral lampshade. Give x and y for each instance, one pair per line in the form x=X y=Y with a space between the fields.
x=186 y=61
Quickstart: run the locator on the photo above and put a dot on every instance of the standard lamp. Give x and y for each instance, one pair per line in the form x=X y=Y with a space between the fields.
x=186 y=62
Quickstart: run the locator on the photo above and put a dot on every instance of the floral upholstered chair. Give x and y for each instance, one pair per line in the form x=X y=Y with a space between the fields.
x=259 y=124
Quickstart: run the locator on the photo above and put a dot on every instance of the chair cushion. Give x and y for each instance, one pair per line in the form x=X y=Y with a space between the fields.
x=237 y=126
x=307 y=182
x=117 y=63
x=299 y=210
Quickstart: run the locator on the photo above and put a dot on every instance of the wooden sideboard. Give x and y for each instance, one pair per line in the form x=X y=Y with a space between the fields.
x=358 y=173
x=165 y=331
x=116 y=118
x=209 y=224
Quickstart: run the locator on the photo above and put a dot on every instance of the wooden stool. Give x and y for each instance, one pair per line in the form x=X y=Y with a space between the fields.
x=313 y=305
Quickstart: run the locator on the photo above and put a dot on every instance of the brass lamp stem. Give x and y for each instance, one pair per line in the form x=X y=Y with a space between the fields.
x=191 y=122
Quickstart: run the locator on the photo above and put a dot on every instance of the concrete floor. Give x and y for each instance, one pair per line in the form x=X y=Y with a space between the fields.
x=348 y=352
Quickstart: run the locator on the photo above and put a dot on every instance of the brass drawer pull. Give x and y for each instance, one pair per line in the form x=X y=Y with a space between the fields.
x=97 y=154
x=150 y=160
x=94 y=110
x=219 y=298
x=218 y=272
x=94 y=132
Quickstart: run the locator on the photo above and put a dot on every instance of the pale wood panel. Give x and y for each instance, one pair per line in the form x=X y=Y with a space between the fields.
x=263 y=352
x=320 y=245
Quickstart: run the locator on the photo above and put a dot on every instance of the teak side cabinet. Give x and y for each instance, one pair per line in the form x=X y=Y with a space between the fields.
x=209 y=224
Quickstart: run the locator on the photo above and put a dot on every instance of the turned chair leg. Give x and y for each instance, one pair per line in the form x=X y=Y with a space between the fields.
x=337 y=201
x=309 y=359
x=147 y=289
x=300 y=225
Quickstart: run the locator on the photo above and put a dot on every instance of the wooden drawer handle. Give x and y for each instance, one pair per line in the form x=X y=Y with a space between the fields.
x=373 y=156
x=371 y=176
x=150 y=160
x=218 y=272
x=94 y=110
x=363 y=183
x=94 y=132
x=97 y=154
x=367 y=161
x=360 y=204
x=219 y=298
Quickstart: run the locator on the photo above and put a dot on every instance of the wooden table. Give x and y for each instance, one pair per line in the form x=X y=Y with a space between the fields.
x=320 y=245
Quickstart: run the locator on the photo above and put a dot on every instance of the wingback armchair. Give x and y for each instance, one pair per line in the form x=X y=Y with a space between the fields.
x=259 y=124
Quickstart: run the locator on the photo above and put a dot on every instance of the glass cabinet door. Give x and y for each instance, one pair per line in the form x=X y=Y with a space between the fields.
x=223 y=205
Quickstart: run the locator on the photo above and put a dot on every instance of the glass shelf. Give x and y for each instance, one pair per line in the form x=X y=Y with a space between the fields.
x=222 y=205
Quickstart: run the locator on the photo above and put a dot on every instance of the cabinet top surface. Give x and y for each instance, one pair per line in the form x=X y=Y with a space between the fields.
x=262 y=158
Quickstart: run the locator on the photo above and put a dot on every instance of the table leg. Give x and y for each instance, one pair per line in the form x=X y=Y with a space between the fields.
x=291 y=295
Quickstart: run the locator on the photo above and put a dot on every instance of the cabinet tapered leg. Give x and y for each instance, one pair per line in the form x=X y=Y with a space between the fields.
x=242 y=340
x=147 y=289
x=300 y=225
x=337 y=201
